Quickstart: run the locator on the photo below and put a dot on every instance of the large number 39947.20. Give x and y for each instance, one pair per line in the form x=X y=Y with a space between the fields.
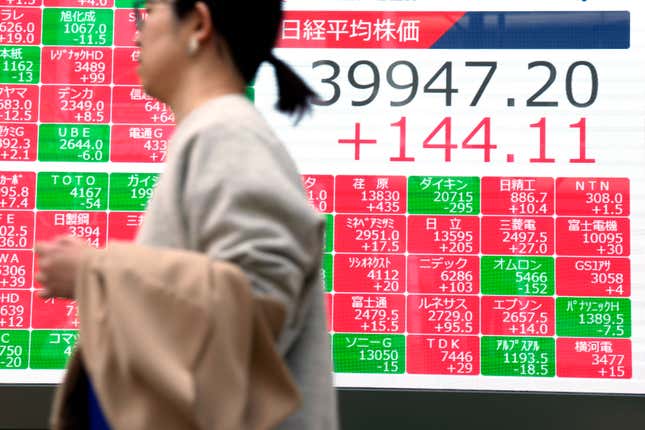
x=403 y=75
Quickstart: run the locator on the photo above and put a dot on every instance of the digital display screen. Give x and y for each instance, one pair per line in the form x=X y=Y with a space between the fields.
x=479 y=165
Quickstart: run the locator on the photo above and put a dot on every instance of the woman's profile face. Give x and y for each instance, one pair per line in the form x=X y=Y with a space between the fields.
x=162 y=48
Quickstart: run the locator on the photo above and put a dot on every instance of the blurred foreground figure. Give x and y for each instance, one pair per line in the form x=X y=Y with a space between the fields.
x=215 y=318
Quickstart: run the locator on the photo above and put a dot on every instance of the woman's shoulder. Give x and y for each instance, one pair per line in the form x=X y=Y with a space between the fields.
x=226 y=121
x=230 y=137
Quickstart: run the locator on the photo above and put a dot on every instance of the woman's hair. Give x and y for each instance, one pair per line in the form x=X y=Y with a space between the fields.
x=250 y=31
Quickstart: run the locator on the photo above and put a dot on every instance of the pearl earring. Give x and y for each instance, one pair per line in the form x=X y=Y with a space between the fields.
x=193 y=46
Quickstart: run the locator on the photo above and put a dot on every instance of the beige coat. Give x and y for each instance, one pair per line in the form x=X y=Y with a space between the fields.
x=172 y=340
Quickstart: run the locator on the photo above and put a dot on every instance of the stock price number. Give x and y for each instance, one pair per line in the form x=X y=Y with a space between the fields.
x=404 y=77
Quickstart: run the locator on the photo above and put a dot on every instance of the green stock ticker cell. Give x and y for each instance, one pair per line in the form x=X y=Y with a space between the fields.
x=51 y=349
x=443 y=195
x=127 y=4
x=518 y=276
x=71 y=142
x=593 y=317
x=329 y=233
x=328 y=272
x=19 y=64
x=517 y=356
x=14 y=349
x=77 y=27
x=72 y=191
x=131 y=191
x=368 y=353
x=250 y=93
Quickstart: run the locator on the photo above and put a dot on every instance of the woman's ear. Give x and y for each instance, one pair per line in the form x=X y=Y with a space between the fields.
x=203 y=24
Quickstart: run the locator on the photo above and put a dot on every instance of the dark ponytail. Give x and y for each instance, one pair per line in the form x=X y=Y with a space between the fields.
x=294 y=96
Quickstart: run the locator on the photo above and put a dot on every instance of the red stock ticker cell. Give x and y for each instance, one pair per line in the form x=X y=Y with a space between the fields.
x=369 y=313
x=594 y=358
x=140 y=143
x=370 y=194
x=518 y=316
x=22 y=101
x=124 y=225
x=443 y=355
x=125 y=66
x=124 y=27
x=15 y=309
x=443 y=234
x=369 y=273
x=22 y=25
x=443 y=314
x=131 y=105
x=32 y=3
x=517 y=196
x=17 y=190
x=86 y=104
x=17 y=268
x=593 y=277
x=76 y=65
x=320 y=191
x=594 y=237
x=54 y=313
x=17 y=229
x=443 y=274
x=90 y=226
x=369 y=233
x=18 y=142
x=593 y=197
x=509 y=235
